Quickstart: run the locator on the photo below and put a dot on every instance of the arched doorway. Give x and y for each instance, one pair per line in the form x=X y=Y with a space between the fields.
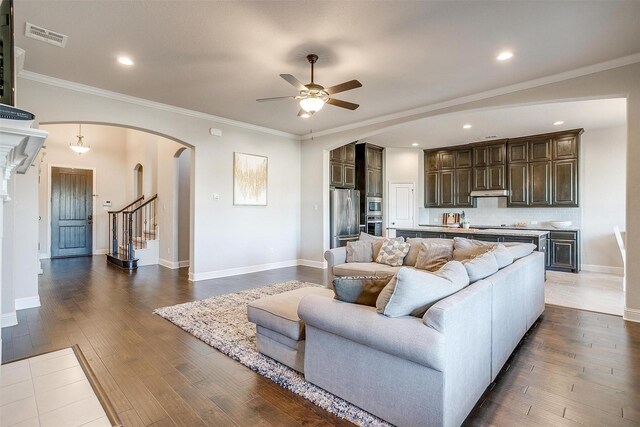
x=182 y=205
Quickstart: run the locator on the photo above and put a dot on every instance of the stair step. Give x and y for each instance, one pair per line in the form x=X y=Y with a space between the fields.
x=122 y=262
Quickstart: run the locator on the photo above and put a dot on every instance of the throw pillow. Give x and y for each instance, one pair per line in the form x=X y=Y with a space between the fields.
x=392 y=252
x=433 y=255
x=360 y=290
x=466 y=248
x=416 y=245
x=519 y=250
x=376 y=242
x=481 y=266
x=503 y=255
x=413 y=292
x=359 y=251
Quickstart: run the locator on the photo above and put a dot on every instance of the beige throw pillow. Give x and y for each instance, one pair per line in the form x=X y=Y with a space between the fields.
x=412 y=292
x=519 y=250
x=466 y=248
x=377 y=242
x=392 y=252
x=416 y=245
x=433 y=255
x=359 y=251
x=360 y=290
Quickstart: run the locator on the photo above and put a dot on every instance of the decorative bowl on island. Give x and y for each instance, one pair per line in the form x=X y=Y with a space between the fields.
x=560 y=224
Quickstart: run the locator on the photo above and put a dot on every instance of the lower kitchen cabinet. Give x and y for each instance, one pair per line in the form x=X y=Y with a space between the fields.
x=564 y=251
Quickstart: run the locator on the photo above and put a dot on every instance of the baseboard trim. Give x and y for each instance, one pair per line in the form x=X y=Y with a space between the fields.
x=45 y=256
x=169 y=264
x=182 y=264
x=602 y=269
x=312 y=263
x=101 y=251
x=195 y=277
x=631 y=314
x=9 y=319
x=28 y=302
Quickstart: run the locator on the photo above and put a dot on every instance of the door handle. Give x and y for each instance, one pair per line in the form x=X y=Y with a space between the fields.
x=90 y=218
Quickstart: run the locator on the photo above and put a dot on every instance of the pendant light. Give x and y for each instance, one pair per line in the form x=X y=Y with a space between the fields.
x=79 y=146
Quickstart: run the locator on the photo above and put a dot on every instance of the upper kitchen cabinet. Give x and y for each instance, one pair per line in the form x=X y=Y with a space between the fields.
x=464 y=158
x=342 y=166
x=448 y=178
x=550 y=177
x=431 y=161
x=489 y=166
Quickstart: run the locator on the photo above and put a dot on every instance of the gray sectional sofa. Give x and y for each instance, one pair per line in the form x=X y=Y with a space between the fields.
x=427 y=371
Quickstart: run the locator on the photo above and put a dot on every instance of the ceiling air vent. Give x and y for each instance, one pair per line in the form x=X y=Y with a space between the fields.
x=47 y=36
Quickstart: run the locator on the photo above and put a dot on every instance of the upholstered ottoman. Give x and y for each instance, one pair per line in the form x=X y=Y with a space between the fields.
x=279 y=330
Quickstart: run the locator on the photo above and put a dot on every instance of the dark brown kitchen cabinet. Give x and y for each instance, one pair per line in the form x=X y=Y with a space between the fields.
x=447 y=188
x=342 y=173
x=540 y=184
x=518 y=184
x=489 y=155
x=464 y=158
x=374 y=157
x=564 y=251
x=489 y=167
x=431 y=189
x=565 y=183
x=463 y=185
x=540 y=150
x=489 y=178
x=374 y=183
x=446 y=159
x=565 y=147
x=431 y=161
x=518 y=152
x=368 y=174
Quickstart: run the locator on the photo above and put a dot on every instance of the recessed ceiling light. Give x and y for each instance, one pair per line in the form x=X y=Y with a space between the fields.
x=558 y=123
x=504 y=56
x=466 y=127
x=124 y=60
x=415 y=144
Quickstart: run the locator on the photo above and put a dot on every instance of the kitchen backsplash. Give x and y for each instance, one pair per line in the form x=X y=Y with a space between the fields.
x=494 y=211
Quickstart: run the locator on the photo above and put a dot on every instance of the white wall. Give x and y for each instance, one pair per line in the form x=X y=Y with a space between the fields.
x=106 y=156
x=226 y=239
x=184 y=203
x=603 y=196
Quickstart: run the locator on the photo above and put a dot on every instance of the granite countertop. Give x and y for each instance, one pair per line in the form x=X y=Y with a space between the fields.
x=528 y=227
x=493 y=231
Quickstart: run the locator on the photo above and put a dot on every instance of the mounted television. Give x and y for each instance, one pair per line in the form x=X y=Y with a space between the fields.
x=7 y=67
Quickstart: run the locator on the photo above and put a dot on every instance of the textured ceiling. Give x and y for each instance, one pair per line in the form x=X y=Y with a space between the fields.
x=218 y=57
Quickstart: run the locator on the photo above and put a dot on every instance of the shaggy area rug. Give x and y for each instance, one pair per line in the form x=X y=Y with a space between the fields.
x=222 y=323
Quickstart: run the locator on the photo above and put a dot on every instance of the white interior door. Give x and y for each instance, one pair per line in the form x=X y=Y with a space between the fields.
x=401 y=199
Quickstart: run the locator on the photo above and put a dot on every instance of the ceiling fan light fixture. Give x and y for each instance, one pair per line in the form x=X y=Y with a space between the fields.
x=312 y=104
x=79 y=146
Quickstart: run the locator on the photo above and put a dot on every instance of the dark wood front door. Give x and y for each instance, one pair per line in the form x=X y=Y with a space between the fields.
x=71 y=212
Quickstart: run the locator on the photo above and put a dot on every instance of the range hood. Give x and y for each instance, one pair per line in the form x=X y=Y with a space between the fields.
x=490 y=193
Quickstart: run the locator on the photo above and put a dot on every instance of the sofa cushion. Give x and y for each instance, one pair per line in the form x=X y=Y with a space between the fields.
x=392 y=252
x=434 y=255
x=280 y=312
x=362 y=290
x=412 y=292
x=466 y=248
x=503 y=255
x=377 y=242
x=519 y=250
x=364 y=269
x=481 y=266
x=359 y=251
x=416 y=245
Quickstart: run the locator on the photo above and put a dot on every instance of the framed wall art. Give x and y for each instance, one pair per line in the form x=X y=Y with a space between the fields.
x=250 y=173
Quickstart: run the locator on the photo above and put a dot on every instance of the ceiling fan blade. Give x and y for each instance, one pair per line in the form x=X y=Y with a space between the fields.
x=277 y=98
x=293 y=81
x=303 y=113
x=343 y=87
x=343 y=104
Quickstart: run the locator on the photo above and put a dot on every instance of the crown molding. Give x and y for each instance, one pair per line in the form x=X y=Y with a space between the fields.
x=78 y=87
x=555 y=78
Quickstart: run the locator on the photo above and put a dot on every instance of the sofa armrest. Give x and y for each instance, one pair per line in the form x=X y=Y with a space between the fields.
x=336 y=256
x=404 y=337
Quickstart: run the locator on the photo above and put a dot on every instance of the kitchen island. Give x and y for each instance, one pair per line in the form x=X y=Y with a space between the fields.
x=537 y=237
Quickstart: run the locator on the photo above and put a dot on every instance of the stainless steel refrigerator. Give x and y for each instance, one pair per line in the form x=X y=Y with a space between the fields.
x=345 y=216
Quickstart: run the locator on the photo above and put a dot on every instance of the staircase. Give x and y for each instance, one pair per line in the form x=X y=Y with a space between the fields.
x=133 y=234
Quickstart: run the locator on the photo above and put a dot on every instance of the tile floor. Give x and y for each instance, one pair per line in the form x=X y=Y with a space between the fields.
x=50 y=390
x=586 y=291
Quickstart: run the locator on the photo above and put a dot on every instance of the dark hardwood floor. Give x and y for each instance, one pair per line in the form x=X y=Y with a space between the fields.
x=573 y=368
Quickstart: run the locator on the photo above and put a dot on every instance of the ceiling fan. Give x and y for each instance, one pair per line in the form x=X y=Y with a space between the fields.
x=312 y=96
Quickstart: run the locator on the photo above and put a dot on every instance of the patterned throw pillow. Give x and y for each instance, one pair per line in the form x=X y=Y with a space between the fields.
x=360 y=251
x=393 y=252
x=434 y=255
